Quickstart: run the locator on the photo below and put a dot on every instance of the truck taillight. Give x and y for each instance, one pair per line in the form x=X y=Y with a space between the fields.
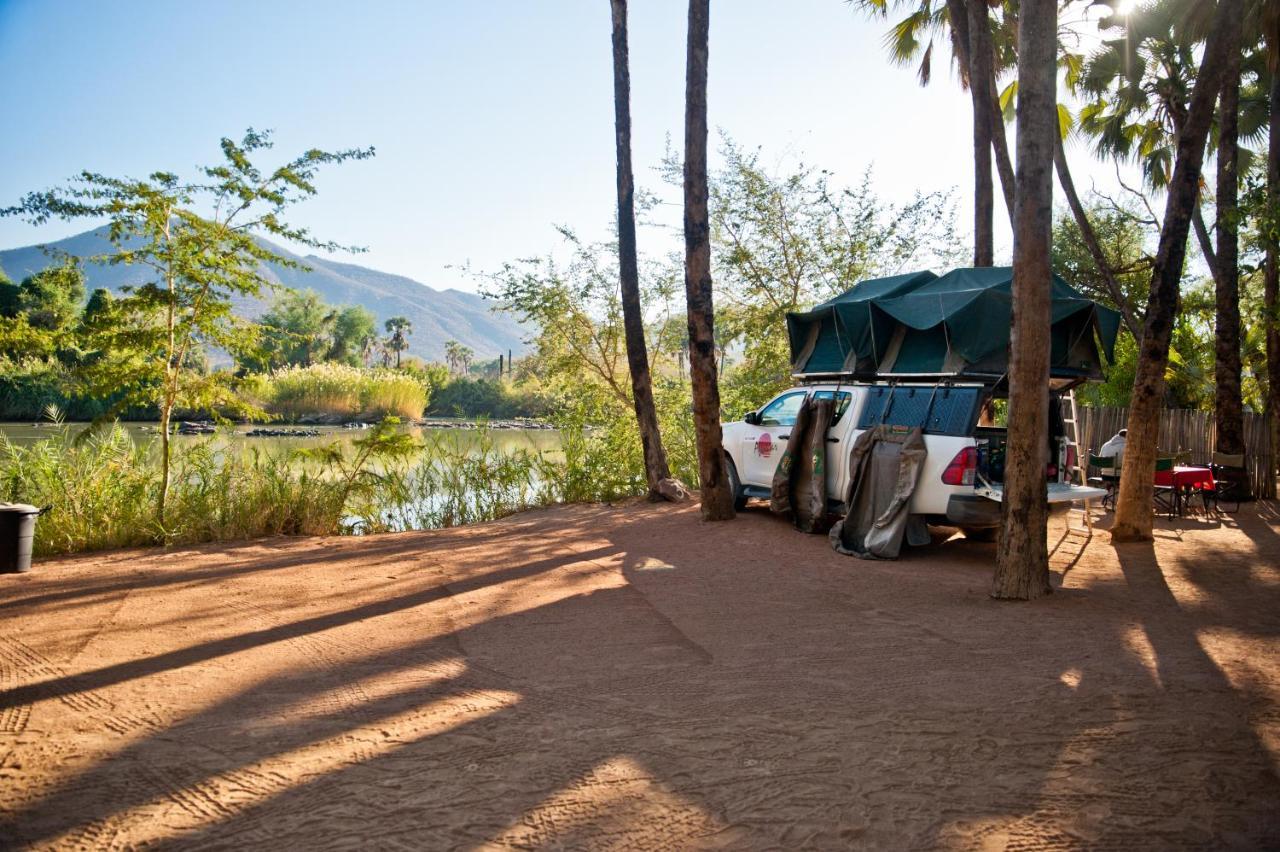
x=962 y=468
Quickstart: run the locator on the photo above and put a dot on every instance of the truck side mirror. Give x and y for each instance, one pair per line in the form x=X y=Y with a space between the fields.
x=751 y=418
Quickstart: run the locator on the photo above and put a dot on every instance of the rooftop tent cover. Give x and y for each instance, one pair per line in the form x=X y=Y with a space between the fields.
x=960 y=323
x=844 y=335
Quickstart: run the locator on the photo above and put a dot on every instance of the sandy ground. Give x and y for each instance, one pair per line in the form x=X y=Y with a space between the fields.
x=631 y=678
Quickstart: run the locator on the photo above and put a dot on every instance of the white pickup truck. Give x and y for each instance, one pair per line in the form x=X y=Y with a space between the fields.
x=960 y=480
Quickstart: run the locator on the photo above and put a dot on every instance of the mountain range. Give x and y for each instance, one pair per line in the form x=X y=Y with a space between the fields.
x=437 y=315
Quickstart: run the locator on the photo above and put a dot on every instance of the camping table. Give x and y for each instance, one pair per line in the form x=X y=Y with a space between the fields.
x=1184 y=479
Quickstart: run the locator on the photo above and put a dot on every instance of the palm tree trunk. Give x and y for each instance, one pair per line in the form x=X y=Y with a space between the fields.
x=1228 y=405
x=1271 y=279
x=959 y=15
x=1091 y=240
x=980 y=72
x=1000 y=144
x=1133 y=506
x=1022 y=556
x=717 y=501
x=655 y=456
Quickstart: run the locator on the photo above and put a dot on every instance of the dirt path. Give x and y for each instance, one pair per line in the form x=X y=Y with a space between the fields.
x=631 y=678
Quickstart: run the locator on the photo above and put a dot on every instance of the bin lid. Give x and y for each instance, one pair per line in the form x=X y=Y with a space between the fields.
x=19 y=508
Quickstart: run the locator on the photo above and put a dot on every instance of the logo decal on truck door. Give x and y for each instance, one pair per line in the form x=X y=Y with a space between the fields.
x=764 y=446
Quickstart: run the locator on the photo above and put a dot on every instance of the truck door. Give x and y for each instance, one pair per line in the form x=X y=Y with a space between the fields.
x=837 y=453
x=765 y=442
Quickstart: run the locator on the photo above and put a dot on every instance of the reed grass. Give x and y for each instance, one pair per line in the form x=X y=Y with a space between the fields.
x=101 y=489
x=341 y=390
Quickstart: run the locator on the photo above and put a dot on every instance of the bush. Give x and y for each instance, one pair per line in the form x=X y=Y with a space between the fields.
x=465 y=397
x=30 y=387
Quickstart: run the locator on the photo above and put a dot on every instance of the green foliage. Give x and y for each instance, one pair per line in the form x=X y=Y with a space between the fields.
x=301 y=329
x=198 y=240
x=101 y=490
x=467 y=397
x=1125 y=236
x=50 y=299
x=31 y=386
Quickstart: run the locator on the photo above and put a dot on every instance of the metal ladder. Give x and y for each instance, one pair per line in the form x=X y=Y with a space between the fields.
x=1072 y=433
x=1079 y=475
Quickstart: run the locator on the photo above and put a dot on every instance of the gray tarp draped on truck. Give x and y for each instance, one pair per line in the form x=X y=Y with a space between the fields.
x=954 y=325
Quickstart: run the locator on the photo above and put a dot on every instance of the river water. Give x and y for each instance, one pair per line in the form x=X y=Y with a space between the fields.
x=465 y=433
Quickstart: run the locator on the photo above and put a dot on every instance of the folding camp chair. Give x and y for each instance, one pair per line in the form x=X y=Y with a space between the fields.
x=1108 y=477
x=1165 y=497
x=1228 y=482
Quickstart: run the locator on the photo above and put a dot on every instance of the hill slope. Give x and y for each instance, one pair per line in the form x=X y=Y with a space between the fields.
x=437 y=315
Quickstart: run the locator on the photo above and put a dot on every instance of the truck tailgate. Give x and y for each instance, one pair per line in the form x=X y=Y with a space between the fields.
x=1059 y=492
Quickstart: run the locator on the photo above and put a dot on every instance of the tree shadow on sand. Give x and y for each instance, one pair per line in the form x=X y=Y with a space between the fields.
x=670 y=683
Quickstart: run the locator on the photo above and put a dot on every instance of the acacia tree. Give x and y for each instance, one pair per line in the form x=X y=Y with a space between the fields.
x=1022 y=557
x=1133 y=507
x=657 y=470
x=198 y=242
x=717 y=501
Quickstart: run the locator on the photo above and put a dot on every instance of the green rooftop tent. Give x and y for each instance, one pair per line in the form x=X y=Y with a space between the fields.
x=959 y=324
x=844 y=335
x=956 y=326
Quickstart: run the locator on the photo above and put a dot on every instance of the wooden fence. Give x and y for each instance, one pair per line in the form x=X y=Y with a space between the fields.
x=1188 y=434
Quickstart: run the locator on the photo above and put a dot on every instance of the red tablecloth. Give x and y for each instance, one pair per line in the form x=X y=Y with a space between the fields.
x=1184 y=476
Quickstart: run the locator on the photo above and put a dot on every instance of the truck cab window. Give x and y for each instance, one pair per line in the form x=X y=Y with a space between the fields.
x=842 y=399
x=782 y=411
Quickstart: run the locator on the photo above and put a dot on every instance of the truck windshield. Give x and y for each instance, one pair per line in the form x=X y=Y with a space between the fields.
x=782 y=411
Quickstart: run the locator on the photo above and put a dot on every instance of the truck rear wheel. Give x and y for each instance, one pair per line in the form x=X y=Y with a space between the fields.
x=735 y=486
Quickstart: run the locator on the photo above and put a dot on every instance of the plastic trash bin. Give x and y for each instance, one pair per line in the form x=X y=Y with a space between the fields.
x=17 y=530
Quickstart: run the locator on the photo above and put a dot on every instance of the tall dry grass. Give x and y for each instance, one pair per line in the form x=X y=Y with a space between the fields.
x=341 y=390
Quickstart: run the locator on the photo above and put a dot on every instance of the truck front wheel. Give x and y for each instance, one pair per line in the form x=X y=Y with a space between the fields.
x=735 y=485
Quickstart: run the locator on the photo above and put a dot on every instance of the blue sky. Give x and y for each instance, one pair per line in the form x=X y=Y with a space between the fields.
x=493 y=121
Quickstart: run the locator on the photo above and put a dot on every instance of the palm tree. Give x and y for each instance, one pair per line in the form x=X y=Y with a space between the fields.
x=1228 y=407
x=968 y=25
x=1271 y=274
x=1133 y=507
x=717 y=501
x=655 y=455
x=1022 y=556
x=398 y=329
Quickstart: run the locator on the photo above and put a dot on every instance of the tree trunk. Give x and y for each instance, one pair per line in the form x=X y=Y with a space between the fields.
x=1022 y=556
x=979 y=72
x=1228 y=404
x=655 y=456
x=717 y=501
x=166 y=418
x=1004 y=166
x=959 y=15
x=1133 y=507
x=1091 y=240
x=1271 y=278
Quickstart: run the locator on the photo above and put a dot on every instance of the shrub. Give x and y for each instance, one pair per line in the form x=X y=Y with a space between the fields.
x=464 y=397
